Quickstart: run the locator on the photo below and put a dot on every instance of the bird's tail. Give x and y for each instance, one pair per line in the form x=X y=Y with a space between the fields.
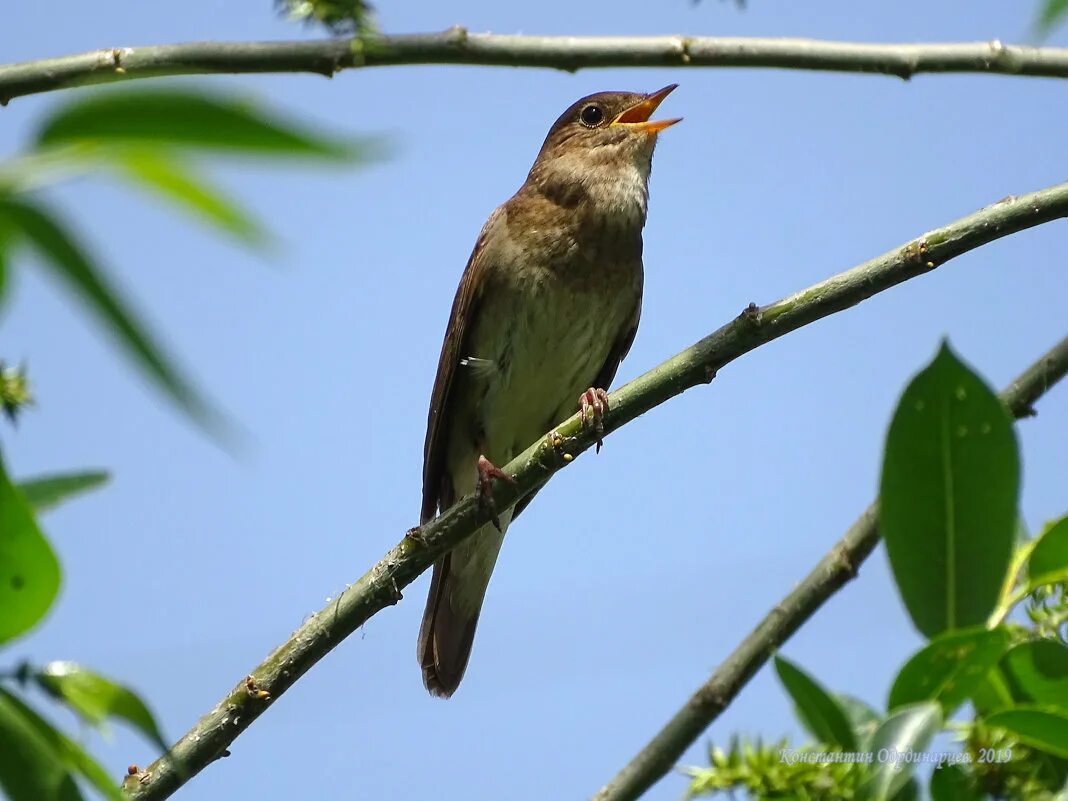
x=452 y=608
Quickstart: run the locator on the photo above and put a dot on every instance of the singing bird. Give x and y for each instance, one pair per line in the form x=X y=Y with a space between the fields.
x=547 y=307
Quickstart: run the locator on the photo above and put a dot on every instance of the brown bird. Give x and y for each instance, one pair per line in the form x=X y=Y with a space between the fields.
x=546 y=309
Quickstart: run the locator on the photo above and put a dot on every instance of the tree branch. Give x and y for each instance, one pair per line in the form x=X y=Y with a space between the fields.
x=457 y=46
x=832 y=572
x=381 y=585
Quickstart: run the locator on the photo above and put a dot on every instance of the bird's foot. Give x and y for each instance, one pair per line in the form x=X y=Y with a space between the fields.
x=594 y=403
x=487 y=471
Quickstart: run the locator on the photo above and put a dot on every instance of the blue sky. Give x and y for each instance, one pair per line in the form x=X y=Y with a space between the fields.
x=635 y=573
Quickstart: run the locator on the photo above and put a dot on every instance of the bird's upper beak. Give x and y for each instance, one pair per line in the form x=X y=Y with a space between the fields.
x=637 y=117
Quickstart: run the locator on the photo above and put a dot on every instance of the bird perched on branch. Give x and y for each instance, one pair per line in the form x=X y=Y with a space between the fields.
x=546 y=309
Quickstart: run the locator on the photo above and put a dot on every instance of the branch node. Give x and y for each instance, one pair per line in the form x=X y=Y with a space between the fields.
x=457 y=36
x=254 y=691
x=682 y=47
x=415 y=534
x=845 y=561
x=752 y=314
x=709 y=373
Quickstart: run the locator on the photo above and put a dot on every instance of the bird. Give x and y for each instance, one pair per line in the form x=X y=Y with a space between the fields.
x=547 y=308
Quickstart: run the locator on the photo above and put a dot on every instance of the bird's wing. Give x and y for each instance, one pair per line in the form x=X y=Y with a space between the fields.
x=464 y=308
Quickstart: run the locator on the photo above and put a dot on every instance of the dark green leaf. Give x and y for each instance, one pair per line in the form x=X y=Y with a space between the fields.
x=1049 y=559
x=949 y=668
x=187 y=119
x=1037 y=672
x=1044 y=728
x=46 y=492
x=862 y=717
x=950 y=481
x=178 y=184
x=910 y=791
x=29 y=571
x=31 y=767
x=60 y=252
x=906 y=731
x=991 y=693
x=96 y=698
x=817 y=709
x=1050 y=15
x=953 y=783
x=69 y=753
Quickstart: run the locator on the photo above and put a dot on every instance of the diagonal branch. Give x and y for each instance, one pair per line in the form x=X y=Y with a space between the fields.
x=832 y=572
x=457 y=46
x=381 y=585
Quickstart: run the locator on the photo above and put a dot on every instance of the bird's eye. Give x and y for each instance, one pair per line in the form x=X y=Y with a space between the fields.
x=591 y=116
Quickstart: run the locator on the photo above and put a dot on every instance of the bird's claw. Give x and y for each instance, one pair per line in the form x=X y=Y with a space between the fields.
x=594 y=404
x=487 y=471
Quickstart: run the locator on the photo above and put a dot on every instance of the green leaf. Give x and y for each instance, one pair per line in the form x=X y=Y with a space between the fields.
x=31 y=769
x=96 y=698
x=60 y=252
x=817 y=709
x=67 y=752
x=46 y=492
x=29 y=570
x=949 y=668
x=991 y=693
x=953 y=783
x=862 y=717
x=1049 y=558
x=1037 y=672
x=906 y=731
x=179 y=184
x=1044 y=728
x=186 y=119
x=950 y=483
x=1050 y=15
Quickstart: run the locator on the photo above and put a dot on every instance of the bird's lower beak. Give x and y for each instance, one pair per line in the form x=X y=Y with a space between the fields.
x=637 y=117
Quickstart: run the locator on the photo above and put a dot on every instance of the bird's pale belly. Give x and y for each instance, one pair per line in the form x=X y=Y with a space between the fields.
x=547 y=344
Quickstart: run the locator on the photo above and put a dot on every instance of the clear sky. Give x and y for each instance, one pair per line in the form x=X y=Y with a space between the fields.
x=636 y=571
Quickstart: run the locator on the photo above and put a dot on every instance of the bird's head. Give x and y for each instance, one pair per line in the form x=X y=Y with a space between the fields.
x=604 y=138
x=608 y=126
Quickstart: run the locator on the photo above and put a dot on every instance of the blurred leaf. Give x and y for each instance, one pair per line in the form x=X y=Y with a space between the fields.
x=950 y=482
x=1049 y=558
x=29 y=571
x=1044 y=728
x=66 y=751
x=30 y=767
x=6 y=241
x=862 y=717
x=991 y=693
x=178 y=184
x=817 y=709
x=14 y=391
x=953 y=783
x=46 y=492
x=1037 y=672
x=96 y=698
x=187 y=119
x=949 y=668
x=1050 y=15
x=909 y=729
x=909 y=791
x=59 y=251
x=340 y=17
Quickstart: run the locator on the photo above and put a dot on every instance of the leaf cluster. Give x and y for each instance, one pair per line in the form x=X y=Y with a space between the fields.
x=992 y=603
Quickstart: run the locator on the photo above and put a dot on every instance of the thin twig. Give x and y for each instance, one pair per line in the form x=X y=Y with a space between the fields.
x=420 y=547
x=458 y=46
x=833 y=571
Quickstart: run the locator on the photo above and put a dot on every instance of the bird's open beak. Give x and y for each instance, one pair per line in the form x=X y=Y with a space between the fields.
x=637 y=117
